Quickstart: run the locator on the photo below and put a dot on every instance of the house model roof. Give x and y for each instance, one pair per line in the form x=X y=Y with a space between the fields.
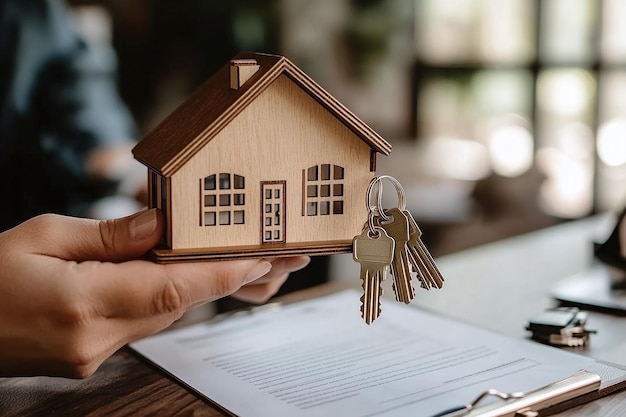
x=215 y=104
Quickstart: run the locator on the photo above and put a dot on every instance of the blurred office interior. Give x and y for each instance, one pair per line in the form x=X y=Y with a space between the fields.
x=505 y=116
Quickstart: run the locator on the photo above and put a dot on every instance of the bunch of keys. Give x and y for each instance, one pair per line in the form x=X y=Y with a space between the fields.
x=391 y=240
x=560 y=326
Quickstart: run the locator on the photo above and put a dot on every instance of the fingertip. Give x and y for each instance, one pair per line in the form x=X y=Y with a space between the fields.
x=258 y=270
x=124 y=238
x=143 y=224
x=296 y=263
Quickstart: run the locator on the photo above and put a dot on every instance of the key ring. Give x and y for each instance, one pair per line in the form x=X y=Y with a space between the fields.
x=379 y=197
x=371 y=209
x=376 y=209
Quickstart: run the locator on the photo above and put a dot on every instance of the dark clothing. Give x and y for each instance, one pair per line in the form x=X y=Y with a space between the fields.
x=58 y=101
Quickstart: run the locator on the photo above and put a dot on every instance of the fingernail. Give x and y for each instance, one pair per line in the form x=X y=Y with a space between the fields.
x=260 y=269
x=143 y=224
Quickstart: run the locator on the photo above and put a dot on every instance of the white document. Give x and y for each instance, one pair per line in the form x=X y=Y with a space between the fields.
x=318 y=358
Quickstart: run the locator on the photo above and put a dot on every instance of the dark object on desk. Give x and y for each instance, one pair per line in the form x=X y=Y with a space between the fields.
x=562 y=326
x=610 y=252
x=602 y=286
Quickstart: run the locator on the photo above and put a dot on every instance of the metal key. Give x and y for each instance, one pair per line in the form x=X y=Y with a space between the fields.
x=397 y=227
x=421 y=259
x=374 y=250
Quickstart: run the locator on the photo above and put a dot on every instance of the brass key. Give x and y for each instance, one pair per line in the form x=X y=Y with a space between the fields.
x=397 y=227
x=373 y=249
x=421 y=259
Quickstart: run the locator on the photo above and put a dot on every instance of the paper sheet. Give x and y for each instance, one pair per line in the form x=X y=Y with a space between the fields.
x=318 y=358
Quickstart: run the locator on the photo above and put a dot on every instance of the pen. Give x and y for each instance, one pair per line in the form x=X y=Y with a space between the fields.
x=528 y=403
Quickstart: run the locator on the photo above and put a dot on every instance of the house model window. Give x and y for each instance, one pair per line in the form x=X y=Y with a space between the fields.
x=222 y=199
x=158 y=191
x=324 y=190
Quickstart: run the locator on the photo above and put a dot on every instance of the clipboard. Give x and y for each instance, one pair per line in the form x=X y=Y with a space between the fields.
x=532 y=403
x=298 y=360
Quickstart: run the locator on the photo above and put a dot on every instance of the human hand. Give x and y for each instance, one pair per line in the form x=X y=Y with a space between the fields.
x=72 y=291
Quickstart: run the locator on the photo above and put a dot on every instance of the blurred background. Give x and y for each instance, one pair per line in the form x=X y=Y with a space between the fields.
x=505 y=116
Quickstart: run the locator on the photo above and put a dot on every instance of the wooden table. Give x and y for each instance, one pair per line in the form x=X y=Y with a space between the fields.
x=497 y=286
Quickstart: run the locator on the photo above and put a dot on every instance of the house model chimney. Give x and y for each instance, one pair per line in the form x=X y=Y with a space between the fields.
x=241 y=70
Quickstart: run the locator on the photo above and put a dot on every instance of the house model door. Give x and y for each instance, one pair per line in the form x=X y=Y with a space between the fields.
x=273 y=209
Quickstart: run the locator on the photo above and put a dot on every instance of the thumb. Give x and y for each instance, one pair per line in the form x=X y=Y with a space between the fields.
x=126 y=238
x=78 y=239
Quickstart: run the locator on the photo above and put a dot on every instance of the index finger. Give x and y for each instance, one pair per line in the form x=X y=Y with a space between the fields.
x=141 y=288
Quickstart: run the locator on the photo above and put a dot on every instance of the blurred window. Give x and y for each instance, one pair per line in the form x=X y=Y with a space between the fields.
x=535 y=88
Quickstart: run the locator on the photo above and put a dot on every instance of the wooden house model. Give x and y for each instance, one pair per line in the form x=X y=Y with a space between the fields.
x=259 y=161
